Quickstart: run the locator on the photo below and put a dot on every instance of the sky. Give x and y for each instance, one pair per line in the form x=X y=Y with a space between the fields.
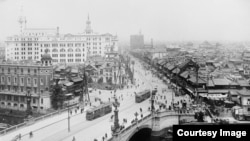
x=163 y=20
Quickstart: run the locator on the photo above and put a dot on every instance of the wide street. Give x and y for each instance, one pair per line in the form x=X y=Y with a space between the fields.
x=56 y=128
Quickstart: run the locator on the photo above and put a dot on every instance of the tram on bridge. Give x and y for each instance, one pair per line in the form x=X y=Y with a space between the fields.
x=141 y=96
x=99 y=111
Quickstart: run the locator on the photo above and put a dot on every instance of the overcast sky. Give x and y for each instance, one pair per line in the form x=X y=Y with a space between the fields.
x=159 y=19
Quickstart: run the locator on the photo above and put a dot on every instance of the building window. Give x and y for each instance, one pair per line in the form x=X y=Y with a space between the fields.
x=34 y=101
x=22 y=81
x=41 y=100
x=41 y=91
x=15 y=80
x=28 y=70
x=35 y=71
x=248 y=101
x=9 y=97
x=248 y=109
x=35 y=81
x=21 y=89
x=8 y=79
x=41 y=81
x=28 y=80
x=15 y=98
x=9 y=70
x=35 y=90
x=21 y=70
x=22 y=99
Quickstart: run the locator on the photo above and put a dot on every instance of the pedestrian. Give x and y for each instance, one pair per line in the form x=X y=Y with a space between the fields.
x=103 y=138
x=19 y=136
x=31 y=134
x=70 y=112
x=74 y=139
x=75 y=110
x=106 y=135
x=82 y=110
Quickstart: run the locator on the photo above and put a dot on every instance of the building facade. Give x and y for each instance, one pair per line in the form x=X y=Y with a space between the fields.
x=2 y=52
x=63 y=48
x=136 y=41
x=17 y=78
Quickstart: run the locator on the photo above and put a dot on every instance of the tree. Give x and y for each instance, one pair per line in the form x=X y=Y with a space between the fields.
x=57 y=96
x=90 y=80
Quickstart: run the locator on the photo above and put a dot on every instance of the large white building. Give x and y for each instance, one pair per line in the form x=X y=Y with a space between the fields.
x=63 y=48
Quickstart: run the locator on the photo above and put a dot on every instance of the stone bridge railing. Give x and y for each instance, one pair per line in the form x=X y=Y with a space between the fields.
x=32 y=121
x=147 y=121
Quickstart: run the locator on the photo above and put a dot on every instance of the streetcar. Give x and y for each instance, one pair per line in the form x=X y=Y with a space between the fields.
x=99 y=111
x=141 y=96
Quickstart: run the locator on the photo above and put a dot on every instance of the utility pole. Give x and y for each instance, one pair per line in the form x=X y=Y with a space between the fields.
x=85 y=86
x=68 y=118
x=152 y=106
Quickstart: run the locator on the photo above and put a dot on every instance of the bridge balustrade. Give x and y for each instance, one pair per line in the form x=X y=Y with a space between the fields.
x=15 y=127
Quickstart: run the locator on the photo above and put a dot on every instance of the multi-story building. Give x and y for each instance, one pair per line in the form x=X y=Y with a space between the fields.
x=63 y=48
x=136 y=41
x=2 y=52
x=17 y=78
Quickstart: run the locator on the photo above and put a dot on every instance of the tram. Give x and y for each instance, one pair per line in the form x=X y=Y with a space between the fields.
x=99 y=111
x=141 y=96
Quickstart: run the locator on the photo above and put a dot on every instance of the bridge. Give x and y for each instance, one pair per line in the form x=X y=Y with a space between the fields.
x=155 y=123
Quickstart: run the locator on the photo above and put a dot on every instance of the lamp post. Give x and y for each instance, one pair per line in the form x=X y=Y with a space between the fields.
x=136 y=119
x=116 y=128
x=152 y=100
x=28 y=97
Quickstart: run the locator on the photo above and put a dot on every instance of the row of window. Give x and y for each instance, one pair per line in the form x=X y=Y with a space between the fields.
x=64 y=45
x=76 y=60
x=23 y=57
x=30 y=48
x=21 y=80
x=29 y=39
x=17 y=98
x=69 y=55
x=69 y=60
x=63 y=50
x=20 y=69
x=20 y=89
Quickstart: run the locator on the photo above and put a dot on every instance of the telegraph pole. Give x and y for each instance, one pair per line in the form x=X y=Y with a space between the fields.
x=68 y=118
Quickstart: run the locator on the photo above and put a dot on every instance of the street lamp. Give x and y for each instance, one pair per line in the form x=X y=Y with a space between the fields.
x=136 y=114
x=136 y=120
x=116 y=128
x=152 y=100
x=28 y=97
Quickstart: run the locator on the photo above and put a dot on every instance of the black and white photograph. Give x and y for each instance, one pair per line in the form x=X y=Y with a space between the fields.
x=124 y=70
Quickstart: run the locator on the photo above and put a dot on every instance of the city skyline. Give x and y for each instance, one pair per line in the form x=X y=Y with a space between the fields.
x=162 y=20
